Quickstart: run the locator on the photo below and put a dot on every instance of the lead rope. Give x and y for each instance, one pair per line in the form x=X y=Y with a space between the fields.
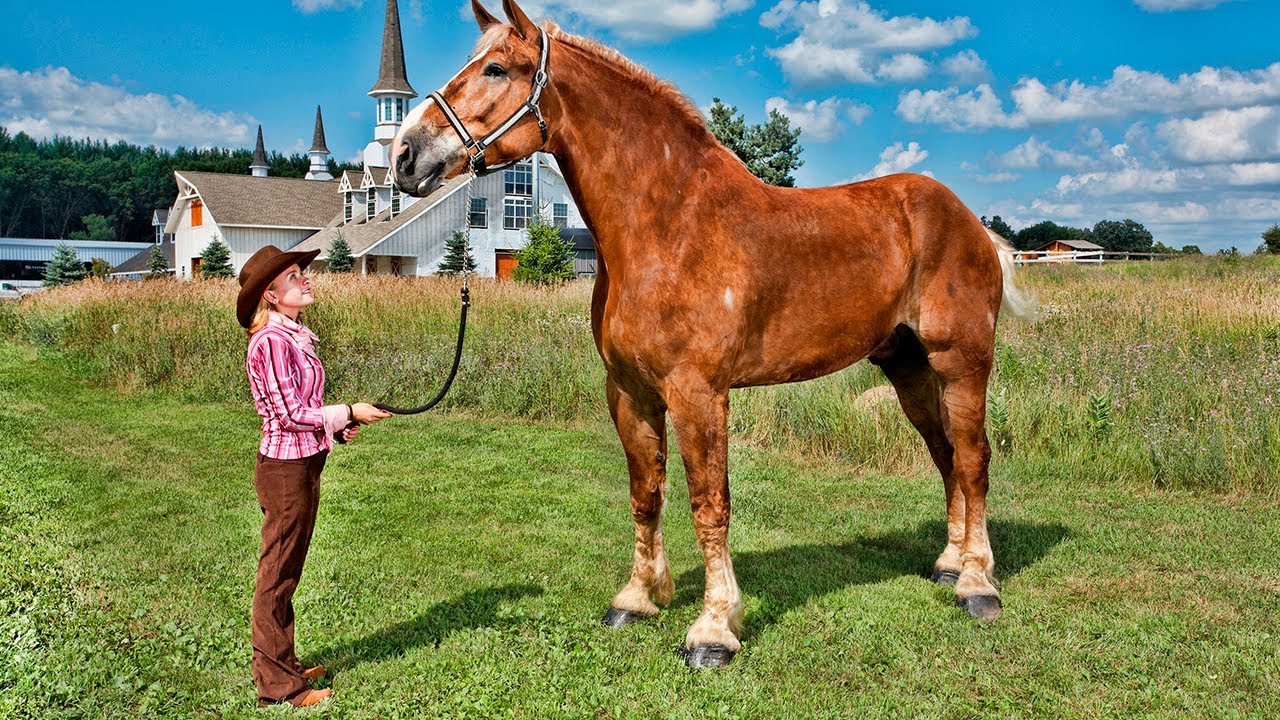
x=462 y=322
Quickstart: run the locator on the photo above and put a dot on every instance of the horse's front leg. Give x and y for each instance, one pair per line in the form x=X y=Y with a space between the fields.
x=642 y=426
x=699 y=414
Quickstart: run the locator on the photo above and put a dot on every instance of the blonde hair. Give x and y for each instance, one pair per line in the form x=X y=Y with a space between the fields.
x=260 y=316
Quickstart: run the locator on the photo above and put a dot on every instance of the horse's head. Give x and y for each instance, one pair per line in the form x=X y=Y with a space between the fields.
x=491 y=90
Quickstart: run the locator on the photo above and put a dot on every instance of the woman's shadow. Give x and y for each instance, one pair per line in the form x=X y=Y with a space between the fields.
x=475 y=609
x=789 y=577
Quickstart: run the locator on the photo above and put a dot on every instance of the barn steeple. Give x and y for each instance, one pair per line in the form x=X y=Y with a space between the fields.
x=259 y=167
x=319 y=152
x=391 y=93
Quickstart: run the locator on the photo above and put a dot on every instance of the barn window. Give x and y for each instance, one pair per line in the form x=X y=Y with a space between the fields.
x=518 y=180
x=516 y=212
x=347 y=207
x=395 y=202
x=400 y=110
x=371 y=205
x=479 y=212
x=560 y=214
x=197 y=213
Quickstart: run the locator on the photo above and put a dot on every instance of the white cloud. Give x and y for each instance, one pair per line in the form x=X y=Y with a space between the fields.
x=650 y=20
x=821 y=121
x=997 y=178
x=315 y=6
x=1128 y=92
x=843 y=41
x=896 y=159
x=1224 y=135
x=967 y=67
x=1172 y=5
x=52 y=101
x=903 y=67
x=1036 y=154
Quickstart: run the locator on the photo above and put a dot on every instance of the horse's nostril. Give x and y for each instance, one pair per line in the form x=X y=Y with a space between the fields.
x=404 y=162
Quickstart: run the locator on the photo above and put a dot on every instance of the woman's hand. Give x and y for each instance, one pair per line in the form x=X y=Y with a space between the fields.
x=366 y=414
x=349 y=434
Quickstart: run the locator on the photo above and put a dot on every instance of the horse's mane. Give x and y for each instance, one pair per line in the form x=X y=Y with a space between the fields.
x=631 y=69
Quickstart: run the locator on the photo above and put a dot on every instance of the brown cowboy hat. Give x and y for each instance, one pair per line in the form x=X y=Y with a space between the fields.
x=257 y=274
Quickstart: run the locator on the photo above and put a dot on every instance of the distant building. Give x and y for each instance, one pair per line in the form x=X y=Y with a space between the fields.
x=388 y=232
x=23 y=260
x=1068 y=246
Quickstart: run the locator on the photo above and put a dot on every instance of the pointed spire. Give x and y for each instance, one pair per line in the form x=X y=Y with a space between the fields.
x=391 y=77
x=317 y=140
x=259 y=166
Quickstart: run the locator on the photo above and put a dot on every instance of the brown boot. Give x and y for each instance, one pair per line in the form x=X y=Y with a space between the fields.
x=314 y=696
x=313 y=674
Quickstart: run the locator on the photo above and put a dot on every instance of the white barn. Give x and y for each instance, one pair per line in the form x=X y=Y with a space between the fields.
x=388 y=232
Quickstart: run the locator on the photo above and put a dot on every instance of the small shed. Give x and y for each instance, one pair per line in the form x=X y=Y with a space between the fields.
x=1069 y=246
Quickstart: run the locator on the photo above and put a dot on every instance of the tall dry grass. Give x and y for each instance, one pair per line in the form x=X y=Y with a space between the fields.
x=1164 y=373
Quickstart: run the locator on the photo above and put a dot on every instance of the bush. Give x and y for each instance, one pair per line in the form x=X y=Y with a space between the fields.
x=546 y=259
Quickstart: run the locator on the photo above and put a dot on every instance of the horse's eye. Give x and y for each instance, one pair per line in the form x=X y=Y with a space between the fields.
x=494 y=70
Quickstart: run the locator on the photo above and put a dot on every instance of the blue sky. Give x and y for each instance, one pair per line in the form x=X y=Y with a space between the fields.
x=1164 y=111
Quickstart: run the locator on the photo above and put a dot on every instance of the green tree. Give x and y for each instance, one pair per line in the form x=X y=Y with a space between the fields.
x=546 y=259
x=215 y=261
x=1162 y=248
x=1122 y=236
x=156 y=265
x=96 y=228
x=65 y=267
x=1191 y=250
x=998 y=226
x=457 y=256
x=1041 y=234
x=1271 y=239
x=340 y=258
x=771 y=151
x=99 y=268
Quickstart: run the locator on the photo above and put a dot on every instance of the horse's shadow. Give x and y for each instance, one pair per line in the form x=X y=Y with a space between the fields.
x=475 y=609
x=789 y=577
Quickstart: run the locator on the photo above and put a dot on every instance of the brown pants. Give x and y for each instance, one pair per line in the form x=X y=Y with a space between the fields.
x=289 y=495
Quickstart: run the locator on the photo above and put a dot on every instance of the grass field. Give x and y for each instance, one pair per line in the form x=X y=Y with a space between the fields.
x=461 y=564
x=462 y=560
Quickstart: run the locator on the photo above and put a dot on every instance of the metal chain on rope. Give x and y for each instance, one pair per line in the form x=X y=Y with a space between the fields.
x=462 y=321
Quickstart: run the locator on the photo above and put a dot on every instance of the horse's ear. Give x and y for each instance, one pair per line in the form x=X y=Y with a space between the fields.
x=483 y=18
x=525 y=27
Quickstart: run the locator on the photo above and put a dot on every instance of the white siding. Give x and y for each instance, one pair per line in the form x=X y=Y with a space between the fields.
x=245 y=241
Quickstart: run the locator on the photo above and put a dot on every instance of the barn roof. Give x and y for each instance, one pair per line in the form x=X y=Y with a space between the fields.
x=361 y=235
x=266 y=201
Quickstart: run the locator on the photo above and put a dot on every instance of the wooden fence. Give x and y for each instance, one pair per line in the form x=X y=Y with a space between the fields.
x=1083 y=257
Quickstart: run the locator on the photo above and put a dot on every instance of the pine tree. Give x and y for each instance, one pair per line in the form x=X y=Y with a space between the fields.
x=215 y=261
x=340 y=258
x=770 y=151
x=156 y=266
x=65 y=268
x=546 y=259
x=457 y=256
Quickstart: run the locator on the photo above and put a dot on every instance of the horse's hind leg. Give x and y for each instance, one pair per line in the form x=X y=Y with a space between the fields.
x=641 y=424
x=919 y=389
x=964 y=399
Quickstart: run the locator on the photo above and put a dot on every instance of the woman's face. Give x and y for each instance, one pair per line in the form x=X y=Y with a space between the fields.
x=291 y=291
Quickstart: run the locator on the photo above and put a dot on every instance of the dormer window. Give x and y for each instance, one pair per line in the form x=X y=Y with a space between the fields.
x=371 y=205
x=395 y=202
x=347 y=207
x=518 y=180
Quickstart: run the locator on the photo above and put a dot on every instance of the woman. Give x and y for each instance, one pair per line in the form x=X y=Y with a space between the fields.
x=286 y=380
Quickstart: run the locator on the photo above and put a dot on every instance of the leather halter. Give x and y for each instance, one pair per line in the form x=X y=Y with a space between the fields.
x=475 y=148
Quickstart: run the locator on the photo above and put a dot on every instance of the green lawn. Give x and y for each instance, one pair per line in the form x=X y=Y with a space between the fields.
x=461 y=565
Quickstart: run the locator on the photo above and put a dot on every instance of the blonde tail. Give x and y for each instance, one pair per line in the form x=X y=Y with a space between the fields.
x=1013 y=301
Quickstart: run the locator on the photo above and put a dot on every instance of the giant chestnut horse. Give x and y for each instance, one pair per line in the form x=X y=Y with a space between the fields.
x=710 y=280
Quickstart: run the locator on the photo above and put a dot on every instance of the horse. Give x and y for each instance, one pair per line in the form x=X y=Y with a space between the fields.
x=709 y=279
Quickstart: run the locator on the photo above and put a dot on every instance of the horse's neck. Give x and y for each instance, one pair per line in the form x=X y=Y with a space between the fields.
x=630 y=158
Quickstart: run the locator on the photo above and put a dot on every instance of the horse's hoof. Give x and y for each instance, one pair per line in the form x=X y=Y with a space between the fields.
x=944 y=577
x=616 y=618
x=982 y=607
x=707 y=656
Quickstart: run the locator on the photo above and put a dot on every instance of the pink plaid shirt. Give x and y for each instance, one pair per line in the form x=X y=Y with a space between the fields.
x=287 y=382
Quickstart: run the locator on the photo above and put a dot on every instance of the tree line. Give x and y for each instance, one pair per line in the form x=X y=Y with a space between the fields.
x=95 y=190
x=1112 y=235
